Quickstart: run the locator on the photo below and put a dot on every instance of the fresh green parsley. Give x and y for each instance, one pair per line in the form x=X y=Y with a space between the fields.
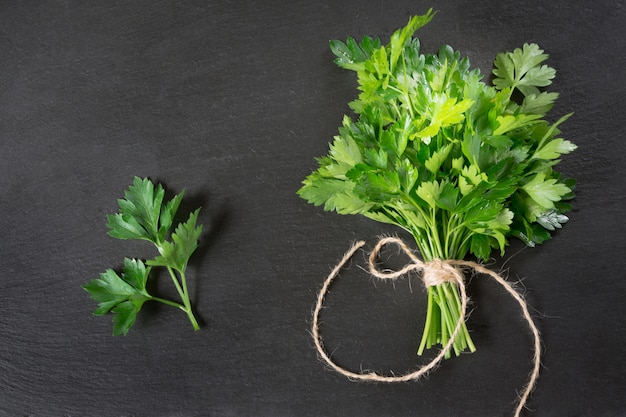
x=145 y=215
x=460 y=164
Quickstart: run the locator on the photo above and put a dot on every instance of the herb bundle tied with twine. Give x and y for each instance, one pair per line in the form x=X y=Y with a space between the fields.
x=461 y=165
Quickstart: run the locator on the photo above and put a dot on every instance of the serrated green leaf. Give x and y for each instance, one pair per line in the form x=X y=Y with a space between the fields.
x=554 y=149
x=530 y=234
x=349 y=55
x=520 y=69
x=448 y=197
x=411 y=220
x=402 y=36
x=394 y=139
x=176 y=254
x=407 y=174
x=438 y=158
x=498 y=142
x=379 y=217
x=502 y=220
x=344 y=149
x=457 y=164
x=109 y=291
x=377 y=187
x=470 y=177
x=508 y=123
x=504 y=170
x=429 y=191
x=439 y=76
x=538 y=103
x=500 y=237
x=501 y=190
x=168 y=211
x=443 y=111
x=536 y=77
x=357 y=54
x=136 y=274
x=125 y=226
x=143 y=201
x=369 y=45
x=142 y=213
x=349 y=203
x=479 y=216
x=376 y=158
x=378 y=66
x=471 y=145
x=125 y=315
x=319 y=190
x=545 y=191
x=114 y=293
x=480 y=246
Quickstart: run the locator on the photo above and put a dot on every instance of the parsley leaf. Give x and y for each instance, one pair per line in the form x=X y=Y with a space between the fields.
x=545 y=191
x=143 y=214
x=520 y=69
x=123 y=295
x=176 y=253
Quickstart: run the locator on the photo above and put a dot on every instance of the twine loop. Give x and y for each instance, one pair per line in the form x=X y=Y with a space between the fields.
x=435 y=272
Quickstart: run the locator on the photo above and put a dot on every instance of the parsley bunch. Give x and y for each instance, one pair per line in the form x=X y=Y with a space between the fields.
x=144 y=215
x=459 y=164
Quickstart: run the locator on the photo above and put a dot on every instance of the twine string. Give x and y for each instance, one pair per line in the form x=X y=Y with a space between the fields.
x=433 y=273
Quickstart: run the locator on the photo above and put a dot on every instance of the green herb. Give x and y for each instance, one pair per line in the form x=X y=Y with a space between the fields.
x=459 y=164
x=144 y=215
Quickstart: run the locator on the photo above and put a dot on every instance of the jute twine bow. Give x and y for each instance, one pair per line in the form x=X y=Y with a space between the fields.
x=433 y=273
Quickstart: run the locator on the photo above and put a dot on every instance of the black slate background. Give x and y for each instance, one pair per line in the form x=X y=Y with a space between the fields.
x=232 y=101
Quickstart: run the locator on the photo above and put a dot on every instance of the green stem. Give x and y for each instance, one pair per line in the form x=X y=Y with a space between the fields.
x=426 y=339
x=435 y=323
x=451 y=235
x=187 y=303
x=454 y=305
x=433 y=237
x=448 y=321
x=168 y=302
x=463 y=332
x=176 y=283
x=184 y=296
x=464 y=245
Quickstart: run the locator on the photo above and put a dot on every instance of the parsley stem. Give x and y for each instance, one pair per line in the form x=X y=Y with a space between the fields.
x=168 y=302
x=184 y=296
x=464 y=333
x=176 y=283
x=187 y=302
x=435 y=235
x=426 y=338
x=447 y=318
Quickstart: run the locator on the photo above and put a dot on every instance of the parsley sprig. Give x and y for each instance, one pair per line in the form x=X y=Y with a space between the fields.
x=144 y=215
x=460 y=164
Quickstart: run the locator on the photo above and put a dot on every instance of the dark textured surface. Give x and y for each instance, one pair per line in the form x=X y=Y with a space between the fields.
x=232 y=101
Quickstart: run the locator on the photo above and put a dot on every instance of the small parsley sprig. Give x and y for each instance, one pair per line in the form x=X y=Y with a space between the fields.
x=460 y=164
x=144 y=215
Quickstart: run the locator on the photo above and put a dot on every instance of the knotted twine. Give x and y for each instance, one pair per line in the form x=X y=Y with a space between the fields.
x=433 y=273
